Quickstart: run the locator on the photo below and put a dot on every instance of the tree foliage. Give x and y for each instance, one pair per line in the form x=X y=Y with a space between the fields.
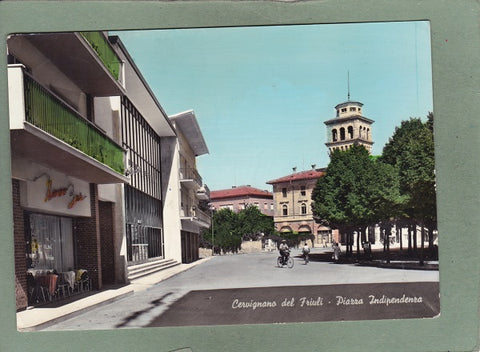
x=411 y=152
x=229 y=229
x=357 y=190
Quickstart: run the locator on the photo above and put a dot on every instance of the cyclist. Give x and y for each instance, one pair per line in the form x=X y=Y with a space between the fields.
x=284 y=251
x=306 y=251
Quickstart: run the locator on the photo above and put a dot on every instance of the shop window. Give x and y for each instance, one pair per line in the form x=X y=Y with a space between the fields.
x=51 y=243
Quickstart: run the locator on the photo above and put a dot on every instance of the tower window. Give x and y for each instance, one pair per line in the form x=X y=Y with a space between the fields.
x=350 y=132
x=344 y=109
x=353 y=109
x=334 y=135
x=342 y=134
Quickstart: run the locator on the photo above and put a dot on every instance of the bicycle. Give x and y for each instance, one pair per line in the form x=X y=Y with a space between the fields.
x=288 y=261
x=305 y=257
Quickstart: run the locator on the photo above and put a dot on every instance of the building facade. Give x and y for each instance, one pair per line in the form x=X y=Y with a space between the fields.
x=94 y=158
x=192 y=193
x=144 y=124
x=293 y=213
x=63 y=148
x=349 y=127
x=238 y=198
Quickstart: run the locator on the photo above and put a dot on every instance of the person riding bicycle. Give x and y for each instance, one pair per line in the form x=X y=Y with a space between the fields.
x=305 y=251
x=284 y=250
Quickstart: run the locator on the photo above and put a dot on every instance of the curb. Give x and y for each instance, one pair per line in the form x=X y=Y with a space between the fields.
x=74 y=313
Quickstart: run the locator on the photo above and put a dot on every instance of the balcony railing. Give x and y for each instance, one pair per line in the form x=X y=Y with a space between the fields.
x=191 y=174
x=203 y=193
x=102 y=47
x=47 y=112
x=202 y=216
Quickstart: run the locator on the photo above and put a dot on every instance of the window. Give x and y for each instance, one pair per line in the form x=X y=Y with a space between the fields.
x=353 y=109
x=304 y=209
x=350 y=132
x=303 y=192
x=344 y=109
x=334 y=135
x=284 y=210
x=342 y=134
x=51 y=239
x=284 y=192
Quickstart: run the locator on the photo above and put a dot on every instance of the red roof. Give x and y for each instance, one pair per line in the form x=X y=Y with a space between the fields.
x=297 y=176
x=241 y=191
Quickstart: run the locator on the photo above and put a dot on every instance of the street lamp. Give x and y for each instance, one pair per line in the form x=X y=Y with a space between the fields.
x=212 y=208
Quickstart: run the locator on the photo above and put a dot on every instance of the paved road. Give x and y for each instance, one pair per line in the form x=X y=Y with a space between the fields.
x=231 y=272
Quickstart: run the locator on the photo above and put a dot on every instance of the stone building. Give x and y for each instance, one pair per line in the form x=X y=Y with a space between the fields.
x=292 y=196
x=237 y=198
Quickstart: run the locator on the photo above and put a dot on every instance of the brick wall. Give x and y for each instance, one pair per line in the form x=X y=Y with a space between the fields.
x=87 y=237
x=19 y=243
x=107 y=230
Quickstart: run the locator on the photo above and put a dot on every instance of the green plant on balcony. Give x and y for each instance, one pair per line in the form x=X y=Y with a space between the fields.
x=48 y=113
x=100 y=45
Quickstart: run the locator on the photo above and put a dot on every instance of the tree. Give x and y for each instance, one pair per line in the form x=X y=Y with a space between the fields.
x=225 y=236
x=356 y=191
x=411 y=152
x=253 y=223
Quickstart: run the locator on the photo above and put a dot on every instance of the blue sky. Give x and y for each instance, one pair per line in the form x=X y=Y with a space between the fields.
x=261 y=94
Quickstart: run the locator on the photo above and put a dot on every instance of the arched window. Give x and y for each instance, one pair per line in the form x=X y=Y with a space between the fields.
x=334 y=135
x=284 y=210
x=350 y=132
x=368 y=133
x=342 y=134
x=304 y=209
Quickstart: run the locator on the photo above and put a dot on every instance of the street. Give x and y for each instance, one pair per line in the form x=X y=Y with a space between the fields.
x=223 y=278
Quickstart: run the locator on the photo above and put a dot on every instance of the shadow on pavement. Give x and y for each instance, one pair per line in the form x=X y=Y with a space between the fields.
x=395 y=259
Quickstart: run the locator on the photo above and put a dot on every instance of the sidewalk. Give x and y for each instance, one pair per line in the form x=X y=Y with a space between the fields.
x=33 y=319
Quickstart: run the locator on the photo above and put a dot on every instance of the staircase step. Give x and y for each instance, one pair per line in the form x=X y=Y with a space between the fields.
x=144 y=269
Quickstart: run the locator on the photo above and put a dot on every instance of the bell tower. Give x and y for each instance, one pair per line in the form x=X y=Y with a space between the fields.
x=349 y=127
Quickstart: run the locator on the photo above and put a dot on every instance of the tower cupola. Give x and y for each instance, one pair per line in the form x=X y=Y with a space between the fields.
x=349 y=127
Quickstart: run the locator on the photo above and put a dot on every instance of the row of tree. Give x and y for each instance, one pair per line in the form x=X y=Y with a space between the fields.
x=360 y=191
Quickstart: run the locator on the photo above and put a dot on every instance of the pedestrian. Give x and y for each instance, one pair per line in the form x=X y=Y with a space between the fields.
x=305 y=252
x=336 y=251
x=367 y=250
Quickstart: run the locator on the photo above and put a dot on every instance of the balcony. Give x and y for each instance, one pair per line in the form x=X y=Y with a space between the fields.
x=203 y=193
x=196 y=216
x=86 y=58
x=190 y=178
x=45 y=129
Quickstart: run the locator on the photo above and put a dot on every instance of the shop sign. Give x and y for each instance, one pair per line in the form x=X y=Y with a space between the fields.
x=61 y=192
